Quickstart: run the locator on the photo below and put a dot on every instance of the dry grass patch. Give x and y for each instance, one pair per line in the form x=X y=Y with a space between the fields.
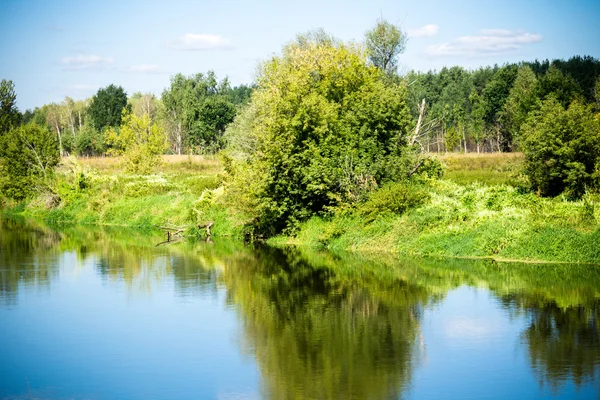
x=169 y=163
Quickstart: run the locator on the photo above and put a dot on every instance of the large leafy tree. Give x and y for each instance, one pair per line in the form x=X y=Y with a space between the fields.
x=197 y=110
x=107 y=107
x=385 y=42
x=139 y=140
x=562 y=149
x=9 y=114
x=29 y=155
x=522 y=99
x=325 y=123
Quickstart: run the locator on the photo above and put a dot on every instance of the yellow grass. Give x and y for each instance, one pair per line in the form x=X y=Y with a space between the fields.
x=487 y=168
x=170 y=163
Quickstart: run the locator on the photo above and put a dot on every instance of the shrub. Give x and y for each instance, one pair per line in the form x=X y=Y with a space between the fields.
x=562 y=149
x=395 y=198
x=139 y=141
x=28 y=155
x=326 y=129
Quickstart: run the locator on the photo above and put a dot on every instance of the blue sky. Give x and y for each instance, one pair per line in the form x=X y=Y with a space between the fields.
x=53 y=49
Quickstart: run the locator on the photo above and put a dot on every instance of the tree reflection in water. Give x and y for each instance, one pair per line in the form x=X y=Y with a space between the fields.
x=322 y=325
x=320 y=334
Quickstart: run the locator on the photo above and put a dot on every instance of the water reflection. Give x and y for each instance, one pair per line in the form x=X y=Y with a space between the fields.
x=319 y=334
x=28 y=256
x=563 y=343
x=323 y=325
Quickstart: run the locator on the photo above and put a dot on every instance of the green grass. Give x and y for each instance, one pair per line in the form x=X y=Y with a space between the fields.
x=467 y=221
x=184 y=191
x=489 y=169
x=447 y=217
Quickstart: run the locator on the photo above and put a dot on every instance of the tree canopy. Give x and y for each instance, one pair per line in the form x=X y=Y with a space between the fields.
x=9 y=114
x=107 y=107
x=384 y=43
x=325 y=126
x=562 y=149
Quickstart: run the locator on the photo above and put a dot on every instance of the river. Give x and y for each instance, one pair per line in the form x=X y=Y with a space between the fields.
x=104 y=314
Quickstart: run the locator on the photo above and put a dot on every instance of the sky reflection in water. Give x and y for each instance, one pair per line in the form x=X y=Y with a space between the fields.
x=104 y=315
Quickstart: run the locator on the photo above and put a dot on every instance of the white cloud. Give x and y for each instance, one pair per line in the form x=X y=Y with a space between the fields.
x=89 y=62
x=488 y=42
x=145 y=69
x=429 y=30
x=200 y=41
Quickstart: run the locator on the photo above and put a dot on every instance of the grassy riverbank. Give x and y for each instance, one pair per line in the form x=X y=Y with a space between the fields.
x=182 y=191
x=476 y=210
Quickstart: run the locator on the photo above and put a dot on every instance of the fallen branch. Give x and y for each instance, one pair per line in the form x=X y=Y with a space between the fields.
x=166 y=228
x=207 y=226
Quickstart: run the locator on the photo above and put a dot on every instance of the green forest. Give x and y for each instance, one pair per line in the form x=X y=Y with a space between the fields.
x=331 y=143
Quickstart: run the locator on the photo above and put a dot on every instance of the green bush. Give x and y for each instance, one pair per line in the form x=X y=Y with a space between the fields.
x=28 y=155
x=562 y=149
x=327 y=128
x=394 y=198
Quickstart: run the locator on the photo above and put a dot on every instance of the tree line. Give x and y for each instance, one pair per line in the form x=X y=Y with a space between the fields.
x=192 y=113
x=483 y=110
x=326 y=124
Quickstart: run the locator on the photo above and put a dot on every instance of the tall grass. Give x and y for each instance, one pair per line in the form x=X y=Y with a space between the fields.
x=486 y=168
x=97 y=191
x=468 y=221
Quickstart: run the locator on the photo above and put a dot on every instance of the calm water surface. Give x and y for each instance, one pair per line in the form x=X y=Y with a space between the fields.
x=96 y=314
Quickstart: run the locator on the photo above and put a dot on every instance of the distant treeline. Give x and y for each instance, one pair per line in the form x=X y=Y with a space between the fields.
x=478 y=110
x=193 y=112
x=484 y=109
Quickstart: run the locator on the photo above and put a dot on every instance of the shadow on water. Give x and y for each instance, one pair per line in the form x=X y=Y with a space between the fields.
x=324 y=325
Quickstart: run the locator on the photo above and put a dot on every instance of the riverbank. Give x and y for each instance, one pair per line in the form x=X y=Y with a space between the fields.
x=477 y=210
x=182 y=191
x=472 y=221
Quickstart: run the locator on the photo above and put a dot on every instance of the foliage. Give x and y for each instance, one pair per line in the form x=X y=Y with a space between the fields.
x=29 y=155
x=198 y=109
x=484 y=109
x=107 y=107
x=88 y=141
x=385 y=42
x=325 y=123
x=522 y=99
x=395 y=198
x=139 y=141
x=9 y=114
x=562 y=149
x=560 y=86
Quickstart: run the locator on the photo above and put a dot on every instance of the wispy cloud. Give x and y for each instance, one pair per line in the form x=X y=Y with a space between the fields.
x=145 y=69
x=429 y=30
x=86 y=62
x=200 y=41
x=488 y=42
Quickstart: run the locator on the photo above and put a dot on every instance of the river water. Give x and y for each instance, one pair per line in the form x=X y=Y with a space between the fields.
x=103 y=314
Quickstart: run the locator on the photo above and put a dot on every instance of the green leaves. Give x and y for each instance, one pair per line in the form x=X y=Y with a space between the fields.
x=139 y=141
x=562 y=149
x=201 y=108
x=9 y=115
x=324 y=129
x=28 y=157
x=384 y=43
x=106 y=107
